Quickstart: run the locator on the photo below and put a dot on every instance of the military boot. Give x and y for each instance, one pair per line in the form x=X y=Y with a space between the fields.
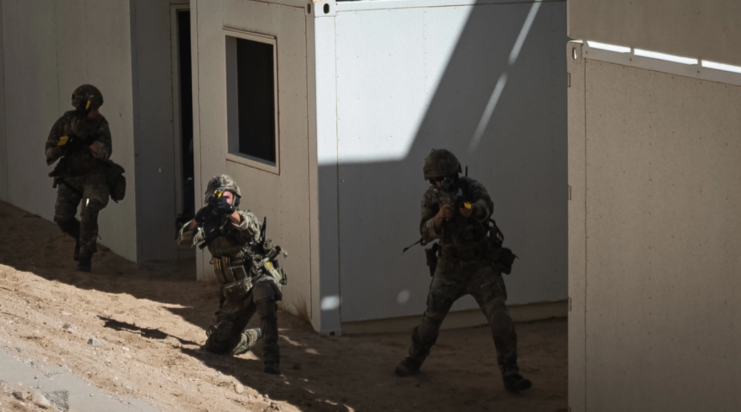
x=85 y=264
x=76 y=255
x=515 y=383
x=248 y=339
x=408 y=367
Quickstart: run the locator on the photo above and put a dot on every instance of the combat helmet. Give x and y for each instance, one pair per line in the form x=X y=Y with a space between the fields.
x=440 y=163
x=222 y=183
x=87 y=97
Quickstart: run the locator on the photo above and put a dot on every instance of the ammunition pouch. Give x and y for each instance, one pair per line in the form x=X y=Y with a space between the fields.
x=228 y=270
x=235 y=280
x=431 y=254
x=272 y=269
x=237 y=291
x=463 y=254
x=502 y=257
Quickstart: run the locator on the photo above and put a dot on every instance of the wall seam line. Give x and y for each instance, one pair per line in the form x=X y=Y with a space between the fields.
x=337 y=165
x=586 y=238
x=200 y=134
x=310 y=307
x=448 y=6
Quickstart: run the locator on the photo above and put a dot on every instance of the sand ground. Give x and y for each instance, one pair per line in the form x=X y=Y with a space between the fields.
x=150 y=323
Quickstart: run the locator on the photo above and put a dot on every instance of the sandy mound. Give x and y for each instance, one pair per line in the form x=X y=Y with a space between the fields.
x=149 y=323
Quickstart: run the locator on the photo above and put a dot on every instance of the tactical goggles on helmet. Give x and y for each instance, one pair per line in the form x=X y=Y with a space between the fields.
x=444 y=179
x=84 y=106
x=218 y=193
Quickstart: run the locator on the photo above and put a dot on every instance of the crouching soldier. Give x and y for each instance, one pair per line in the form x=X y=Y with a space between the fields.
x=246 y=266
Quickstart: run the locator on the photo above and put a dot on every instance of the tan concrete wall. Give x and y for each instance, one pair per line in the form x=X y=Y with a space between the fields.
x=56 y=46
x=708 y=29
x=282 y=198
x=153 y=119
x=661 y=239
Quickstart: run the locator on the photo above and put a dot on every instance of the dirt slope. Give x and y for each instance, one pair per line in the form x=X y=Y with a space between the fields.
x=150 y=324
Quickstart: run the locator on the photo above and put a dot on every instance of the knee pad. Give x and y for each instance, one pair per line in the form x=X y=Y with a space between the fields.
x=263 y=292
x=499 y=316
x=437 y=308
x=91 y=207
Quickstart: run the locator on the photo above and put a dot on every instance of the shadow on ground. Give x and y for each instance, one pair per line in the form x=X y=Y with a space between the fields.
x=319 y=373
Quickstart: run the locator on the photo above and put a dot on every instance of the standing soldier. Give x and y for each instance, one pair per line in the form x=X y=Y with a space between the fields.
x=82 y=140
x=246 y=266
x=456 y=211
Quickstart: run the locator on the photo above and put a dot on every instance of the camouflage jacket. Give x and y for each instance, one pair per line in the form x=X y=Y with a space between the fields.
x=229 y=245
x=458 y=232
x=81 y=160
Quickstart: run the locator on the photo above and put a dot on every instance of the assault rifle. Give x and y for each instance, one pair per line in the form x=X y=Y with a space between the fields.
x=214 y=218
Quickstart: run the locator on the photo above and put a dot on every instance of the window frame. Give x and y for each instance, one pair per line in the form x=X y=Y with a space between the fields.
x=232 y=106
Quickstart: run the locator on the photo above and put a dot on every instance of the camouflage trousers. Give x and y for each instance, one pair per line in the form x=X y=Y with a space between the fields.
x=91 y=191
x=227 y=332
x=454 y=279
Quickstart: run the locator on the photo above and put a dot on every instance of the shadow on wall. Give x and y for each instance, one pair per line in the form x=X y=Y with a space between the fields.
x=503 y=117
x=499 y=105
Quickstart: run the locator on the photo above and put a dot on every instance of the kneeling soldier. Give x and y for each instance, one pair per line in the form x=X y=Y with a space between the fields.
x=246 y=266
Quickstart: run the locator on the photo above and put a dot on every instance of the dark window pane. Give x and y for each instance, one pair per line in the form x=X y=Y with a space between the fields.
x=256 y=97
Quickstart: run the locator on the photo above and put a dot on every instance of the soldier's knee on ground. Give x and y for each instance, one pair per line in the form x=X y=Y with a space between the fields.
x=222 y=338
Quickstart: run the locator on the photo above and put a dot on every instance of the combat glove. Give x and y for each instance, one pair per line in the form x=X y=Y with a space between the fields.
x=223 y=207
x=70 y=142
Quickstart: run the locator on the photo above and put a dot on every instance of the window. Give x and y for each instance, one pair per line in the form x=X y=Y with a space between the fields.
x=252 y=115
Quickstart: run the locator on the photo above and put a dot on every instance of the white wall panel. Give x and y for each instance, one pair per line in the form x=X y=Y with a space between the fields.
x=55 y=47
x=409 y=80
x=31 y=82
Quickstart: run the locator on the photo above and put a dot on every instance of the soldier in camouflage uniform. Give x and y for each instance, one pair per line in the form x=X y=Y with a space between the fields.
x=243 y=293
x=463 y=267
x=82 y=140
